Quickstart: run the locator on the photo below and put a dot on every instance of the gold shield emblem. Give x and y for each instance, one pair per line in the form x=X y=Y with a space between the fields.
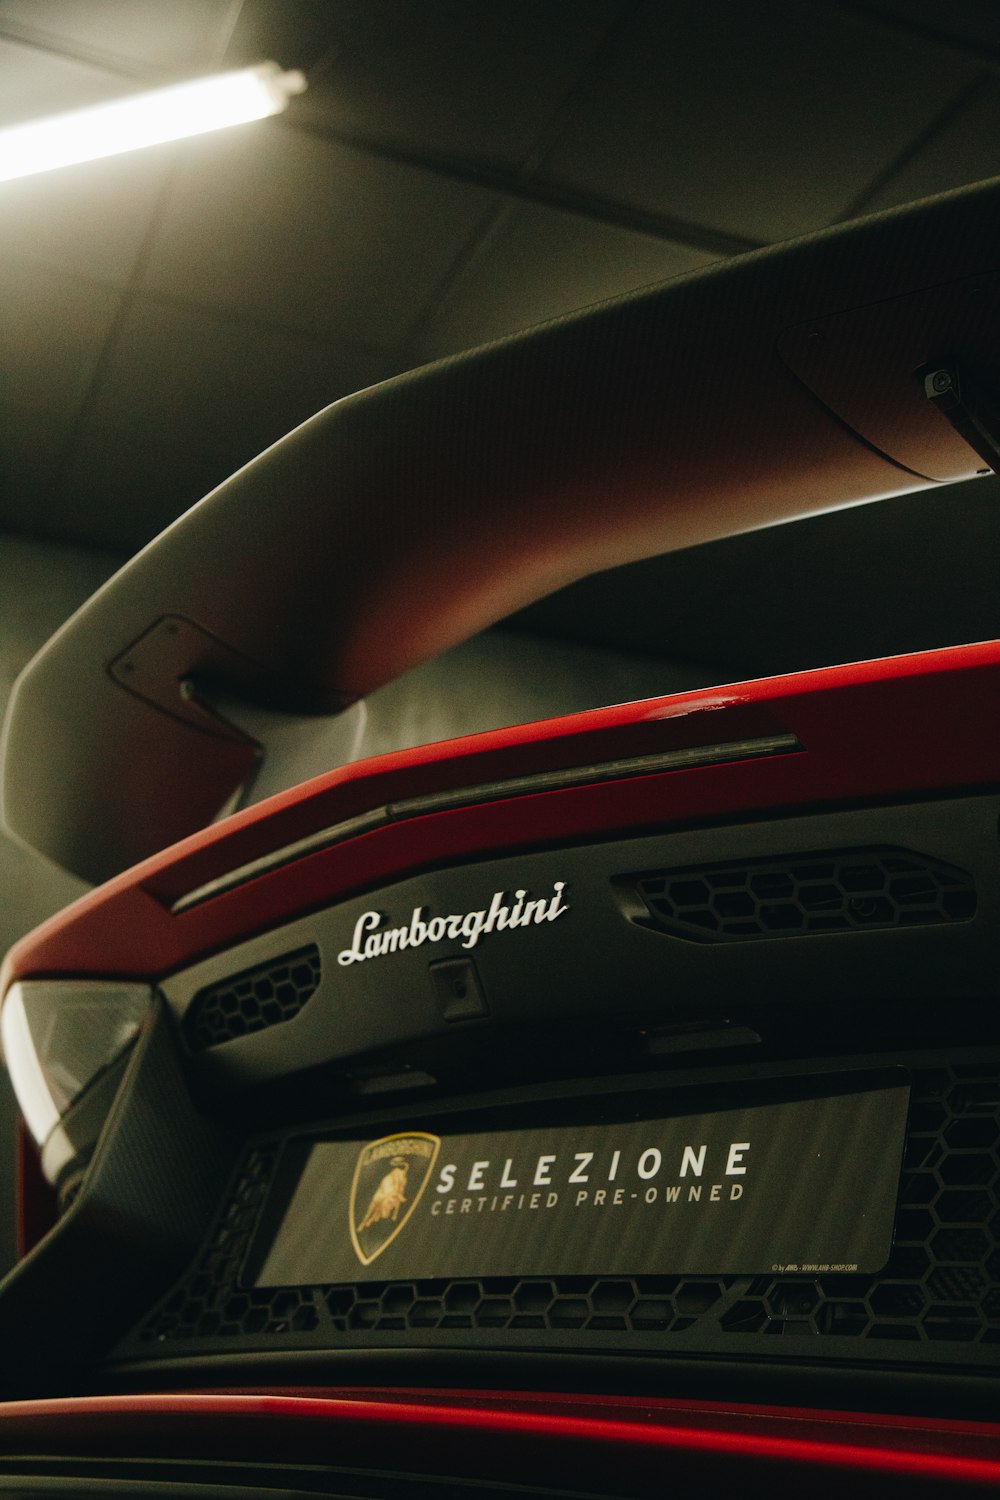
x=389 y=1179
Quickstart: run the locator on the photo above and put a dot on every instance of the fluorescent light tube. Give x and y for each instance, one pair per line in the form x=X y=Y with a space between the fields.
x=167 y=114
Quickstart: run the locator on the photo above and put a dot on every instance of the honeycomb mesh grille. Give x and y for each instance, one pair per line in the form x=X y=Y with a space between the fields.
x=942 y=1282
x=799 y=895
x=253 y=999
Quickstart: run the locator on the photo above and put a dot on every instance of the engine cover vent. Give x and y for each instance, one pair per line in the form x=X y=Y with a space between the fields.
x=799 y=895
x=252 y=1000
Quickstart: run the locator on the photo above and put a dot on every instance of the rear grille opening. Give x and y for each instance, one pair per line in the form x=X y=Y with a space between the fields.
x=942 y=1282
x=799 y=895
x=253 y=999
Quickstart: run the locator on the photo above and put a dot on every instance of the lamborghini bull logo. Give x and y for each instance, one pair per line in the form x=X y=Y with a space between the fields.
x=389 y=1197
x=389 y=1179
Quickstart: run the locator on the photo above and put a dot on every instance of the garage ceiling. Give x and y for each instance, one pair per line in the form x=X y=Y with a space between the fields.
x=459 y=169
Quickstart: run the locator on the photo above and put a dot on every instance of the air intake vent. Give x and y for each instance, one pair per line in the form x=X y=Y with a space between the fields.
x=252 y=1000
x=798 y=895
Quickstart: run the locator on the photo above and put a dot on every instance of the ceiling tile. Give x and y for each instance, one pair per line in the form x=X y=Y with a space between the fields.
x=34 y=83
x=470 y=79
x=186 y=34
x=89 y=220
x=270 y=223
x=965 y=150
x=540 y=263
x=185 y=400
x=54 y=330
x=967 y=23
x=766 y=120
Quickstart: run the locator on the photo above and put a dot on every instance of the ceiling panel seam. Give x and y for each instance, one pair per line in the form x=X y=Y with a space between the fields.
x=896 y=27
x=129 y=293
x=227 y=29
x=215 y=56
x=936 y=127
x=549 y=194
x=565 y=110
x=550 y=132
x=42 y=40
x=55 y=46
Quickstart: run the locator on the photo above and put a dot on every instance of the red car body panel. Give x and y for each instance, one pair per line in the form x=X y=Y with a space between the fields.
x=636 y=1447
x=904 y=726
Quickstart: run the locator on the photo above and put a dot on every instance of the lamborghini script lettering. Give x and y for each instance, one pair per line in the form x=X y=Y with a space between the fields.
x=371 y=940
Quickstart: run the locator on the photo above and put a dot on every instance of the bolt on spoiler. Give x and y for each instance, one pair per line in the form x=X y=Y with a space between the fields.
x=849 y=365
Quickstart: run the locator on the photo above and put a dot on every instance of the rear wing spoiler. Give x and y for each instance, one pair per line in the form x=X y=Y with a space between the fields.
x=853 y=364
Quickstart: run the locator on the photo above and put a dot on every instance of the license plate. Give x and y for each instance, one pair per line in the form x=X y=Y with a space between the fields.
x=798 y=1186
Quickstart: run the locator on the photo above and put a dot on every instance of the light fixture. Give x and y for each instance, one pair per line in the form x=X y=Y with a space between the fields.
x=148 y=119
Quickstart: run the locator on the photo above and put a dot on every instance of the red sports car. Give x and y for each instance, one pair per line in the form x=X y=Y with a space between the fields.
x=594 y=1107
